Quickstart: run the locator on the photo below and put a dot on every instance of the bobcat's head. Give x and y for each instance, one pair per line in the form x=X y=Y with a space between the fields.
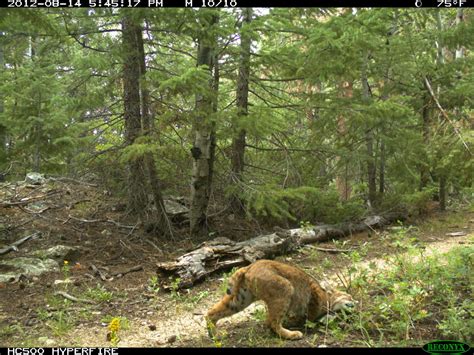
x=338 y=300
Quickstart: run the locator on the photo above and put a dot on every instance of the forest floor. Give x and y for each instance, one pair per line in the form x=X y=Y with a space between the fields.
x=85 y=217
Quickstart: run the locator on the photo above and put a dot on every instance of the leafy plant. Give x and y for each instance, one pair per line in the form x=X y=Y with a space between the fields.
x=99 y=293
x=153 y=284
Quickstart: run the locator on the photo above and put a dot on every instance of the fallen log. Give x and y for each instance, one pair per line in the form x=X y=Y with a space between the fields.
x=223 y=254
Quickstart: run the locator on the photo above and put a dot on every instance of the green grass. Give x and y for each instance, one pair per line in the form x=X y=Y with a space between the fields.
x=431 y=293
x=449 y=219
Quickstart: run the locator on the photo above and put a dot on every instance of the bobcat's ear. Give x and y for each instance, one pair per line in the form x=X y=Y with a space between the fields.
x=325 y=285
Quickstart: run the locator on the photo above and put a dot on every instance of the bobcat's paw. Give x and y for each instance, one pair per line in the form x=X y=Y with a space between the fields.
x=295 y=335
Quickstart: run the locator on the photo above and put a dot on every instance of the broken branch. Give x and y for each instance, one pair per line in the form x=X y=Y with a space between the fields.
x=72 y=298
x=14 y=246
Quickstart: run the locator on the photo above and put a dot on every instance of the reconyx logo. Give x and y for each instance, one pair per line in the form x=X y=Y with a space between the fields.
x=446 y=347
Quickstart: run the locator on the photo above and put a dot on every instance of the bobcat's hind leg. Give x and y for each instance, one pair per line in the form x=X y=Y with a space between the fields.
x=277 y=295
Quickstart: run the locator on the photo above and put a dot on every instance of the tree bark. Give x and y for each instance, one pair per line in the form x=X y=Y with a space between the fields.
x=204 y=136
x=425 y=116
x=442 y=193
x=3 y=129
x=343 y=183
x=382 y=169
x=161 y=223
x=238 y=143
x=459 y=20
x=222 y=253
x=137 y=197
x=444 y=172
x=36 y=129
x=369 y=140
x=440 y=61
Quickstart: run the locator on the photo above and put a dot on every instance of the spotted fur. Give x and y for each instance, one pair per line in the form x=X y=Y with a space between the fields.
x=291 y=297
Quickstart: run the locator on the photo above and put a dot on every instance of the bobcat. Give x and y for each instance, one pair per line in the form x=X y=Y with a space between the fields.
x=291 y=296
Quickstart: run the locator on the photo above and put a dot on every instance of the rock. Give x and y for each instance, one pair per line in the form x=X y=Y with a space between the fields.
x=46 y=341
x=176 y=210
x=152 y=327
x=59 y=253
x=15 y=268
x=35 y=178
x=171 y=339
x=63 y=282
x=36 y=206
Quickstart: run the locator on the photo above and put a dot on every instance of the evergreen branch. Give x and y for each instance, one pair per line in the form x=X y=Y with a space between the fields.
x=445 y=114
x=155 y=43
x=281 y=149
x=84 y=45
x=280 y=79
x=263 y=169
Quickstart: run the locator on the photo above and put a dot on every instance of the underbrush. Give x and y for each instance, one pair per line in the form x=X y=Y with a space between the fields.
x=417 y=299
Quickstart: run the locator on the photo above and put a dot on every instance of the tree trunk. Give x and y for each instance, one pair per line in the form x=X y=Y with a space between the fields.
x=36 y=128
x=440 y=61
x=238 y=143
x=459 y=20
x=343 y=179
x=385 y=96
x=204 y=139
x=369 y=140
x=137 y=197
x=382 y=169
x=444 y=172
x=424 y=168
x=442 y=193
x=161 y=223
x=3 y=129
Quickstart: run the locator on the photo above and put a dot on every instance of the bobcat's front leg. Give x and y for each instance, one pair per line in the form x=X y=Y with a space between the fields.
x=227 y=306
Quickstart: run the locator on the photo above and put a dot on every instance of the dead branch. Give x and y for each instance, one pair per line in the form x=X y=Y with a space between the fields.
x=110 y=277
x=61 y=179
x=72 y=298
x=153 y=245
x=125 y=272
x=14 y=246
x=445 y=114
x=69 y=217
x=24 y=209
x=329 y=250
x=102 y=275
x=27 y=200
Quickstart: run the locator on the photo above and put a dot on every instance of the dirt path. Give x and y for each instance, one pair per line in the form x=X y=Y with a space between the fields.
x=181 y=324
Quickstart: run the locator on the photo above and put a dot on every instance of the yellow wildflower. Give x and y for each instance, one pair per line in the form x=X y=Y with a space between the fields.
x=114 y=325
